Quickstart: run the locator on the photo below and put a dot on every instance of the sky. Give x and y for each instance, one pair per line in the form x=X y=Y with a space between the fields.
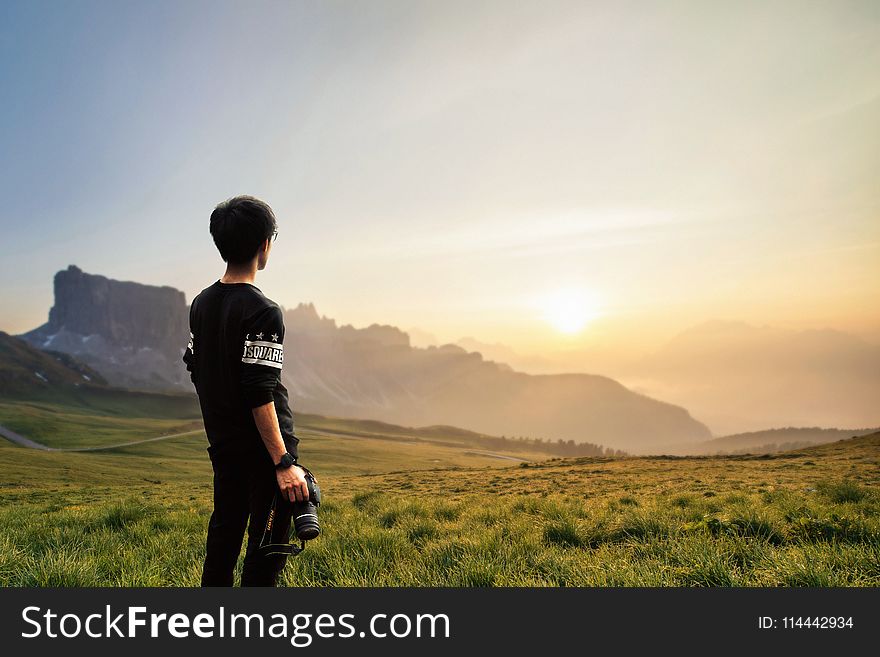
x=547 y=175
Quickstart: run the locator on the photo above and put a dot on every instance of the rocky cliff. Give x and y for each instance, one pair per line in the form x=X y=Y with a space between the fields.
x=130 y=332
x=124 y=312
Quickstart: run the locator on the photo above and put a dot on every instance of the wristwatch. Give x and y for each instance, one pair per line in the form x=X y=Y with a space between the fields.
x=287 y=460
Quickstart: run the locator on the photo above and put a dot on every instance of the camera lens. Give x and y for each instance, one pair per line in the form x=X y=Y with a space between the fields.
x=305 y=514
x=305 y=521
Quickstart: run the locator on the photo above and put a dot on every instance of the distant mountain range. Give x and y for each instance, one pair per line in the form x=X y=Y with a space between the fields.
x=503 y=354
x=734 y=376
x=374 y=373
x=134 y=335
x=739 y=377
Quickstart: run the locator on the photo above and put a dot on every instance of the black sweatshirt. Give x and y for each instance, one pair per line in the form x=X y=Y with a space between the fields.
x=234 y=357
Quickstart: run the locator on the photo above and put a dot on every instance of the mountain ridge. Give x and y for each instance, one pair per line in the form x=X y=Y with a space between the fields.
x=371 y=373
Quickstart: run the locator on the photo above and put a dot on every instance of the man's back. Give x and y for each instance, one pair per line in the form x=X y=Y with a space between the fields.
x=235 y=357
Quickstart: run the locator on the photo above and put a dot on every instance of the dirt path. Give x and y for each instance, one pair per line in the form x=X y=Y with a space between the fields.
x=18 y=439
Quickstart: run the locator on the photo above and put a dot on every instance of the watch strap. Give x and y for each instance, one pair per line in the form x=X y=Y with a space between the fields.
x=287 y=460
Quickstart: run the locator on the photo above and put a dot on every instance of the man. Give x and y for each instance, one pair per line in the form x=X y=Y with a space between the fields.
x=234 y=357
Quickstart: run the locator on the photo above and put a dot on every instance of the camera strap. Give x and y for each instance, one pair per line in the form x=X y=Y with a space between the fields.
x=281 y=548
x=271 y=543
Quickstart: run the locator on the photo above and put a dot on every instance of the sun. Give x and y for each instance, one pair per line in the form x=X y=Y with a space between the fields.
x=570 y=310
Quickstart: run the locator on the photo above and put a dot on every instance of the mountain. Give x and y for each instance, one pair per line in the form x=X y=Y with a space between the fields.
x=739 y=377
x=375 y=373
x=501 y=353
x=421 y=338
x=134 y=334
x=496 y=351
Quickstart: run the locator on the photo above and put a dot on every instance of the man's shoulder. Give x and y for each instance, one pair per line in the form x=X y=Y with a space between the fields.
x=204 y=292
x=258 y=304
x=248 y=297
x=260 y=300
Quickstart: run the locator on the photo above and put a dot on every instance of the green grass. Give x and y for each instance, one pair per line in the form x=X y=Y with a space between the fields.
x=417 y=507
x=393 y=517
x=392 y=540
x=62 y=426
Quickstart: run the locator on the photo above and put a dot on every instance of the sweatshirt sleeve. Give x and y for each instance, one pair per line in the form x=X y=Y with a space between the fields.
x=189 y=353
x=189 y=359
x=262 y=355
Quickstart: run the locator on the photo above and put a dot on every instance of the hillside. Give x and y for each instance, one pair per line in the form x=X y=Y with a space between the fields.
x=46 y=393
x=118 y=417
x=25 y=370
x=767 y=441
x=860 y=447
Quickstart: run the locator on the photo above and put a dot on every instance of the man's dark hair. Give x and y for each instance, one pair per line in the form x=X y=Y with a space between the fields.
x=239 y=226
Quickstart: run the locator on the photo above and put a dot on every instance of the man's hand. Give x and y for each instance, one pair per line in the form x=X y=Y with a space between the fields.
x=292 y=482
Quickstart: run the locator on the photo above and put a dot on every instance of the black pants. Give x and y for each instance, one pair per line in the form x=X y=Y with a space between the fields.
x=244 y=487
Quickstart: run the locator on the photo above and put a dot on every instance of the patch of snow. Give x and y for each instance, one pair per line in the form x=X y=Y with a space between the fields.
x=48 y=340
x=86 y=377
x=40 y=376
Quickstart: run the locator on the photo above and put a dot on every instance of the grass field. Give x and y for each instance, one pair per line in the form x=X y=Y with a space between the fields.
x=70 y=427
x=403 y=510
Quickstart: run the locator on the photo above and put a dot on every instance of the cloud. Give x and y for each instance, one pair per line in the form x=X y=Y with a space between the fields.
x=522 y=234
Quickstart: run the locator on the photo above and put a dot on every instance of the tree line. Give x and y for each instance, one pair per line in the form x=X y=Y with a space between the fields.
x=557 y=447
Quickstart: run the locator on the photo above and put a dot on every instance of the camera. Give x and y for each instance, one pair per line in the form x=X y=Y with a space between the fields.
x=287 y=520
x=305 y=513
